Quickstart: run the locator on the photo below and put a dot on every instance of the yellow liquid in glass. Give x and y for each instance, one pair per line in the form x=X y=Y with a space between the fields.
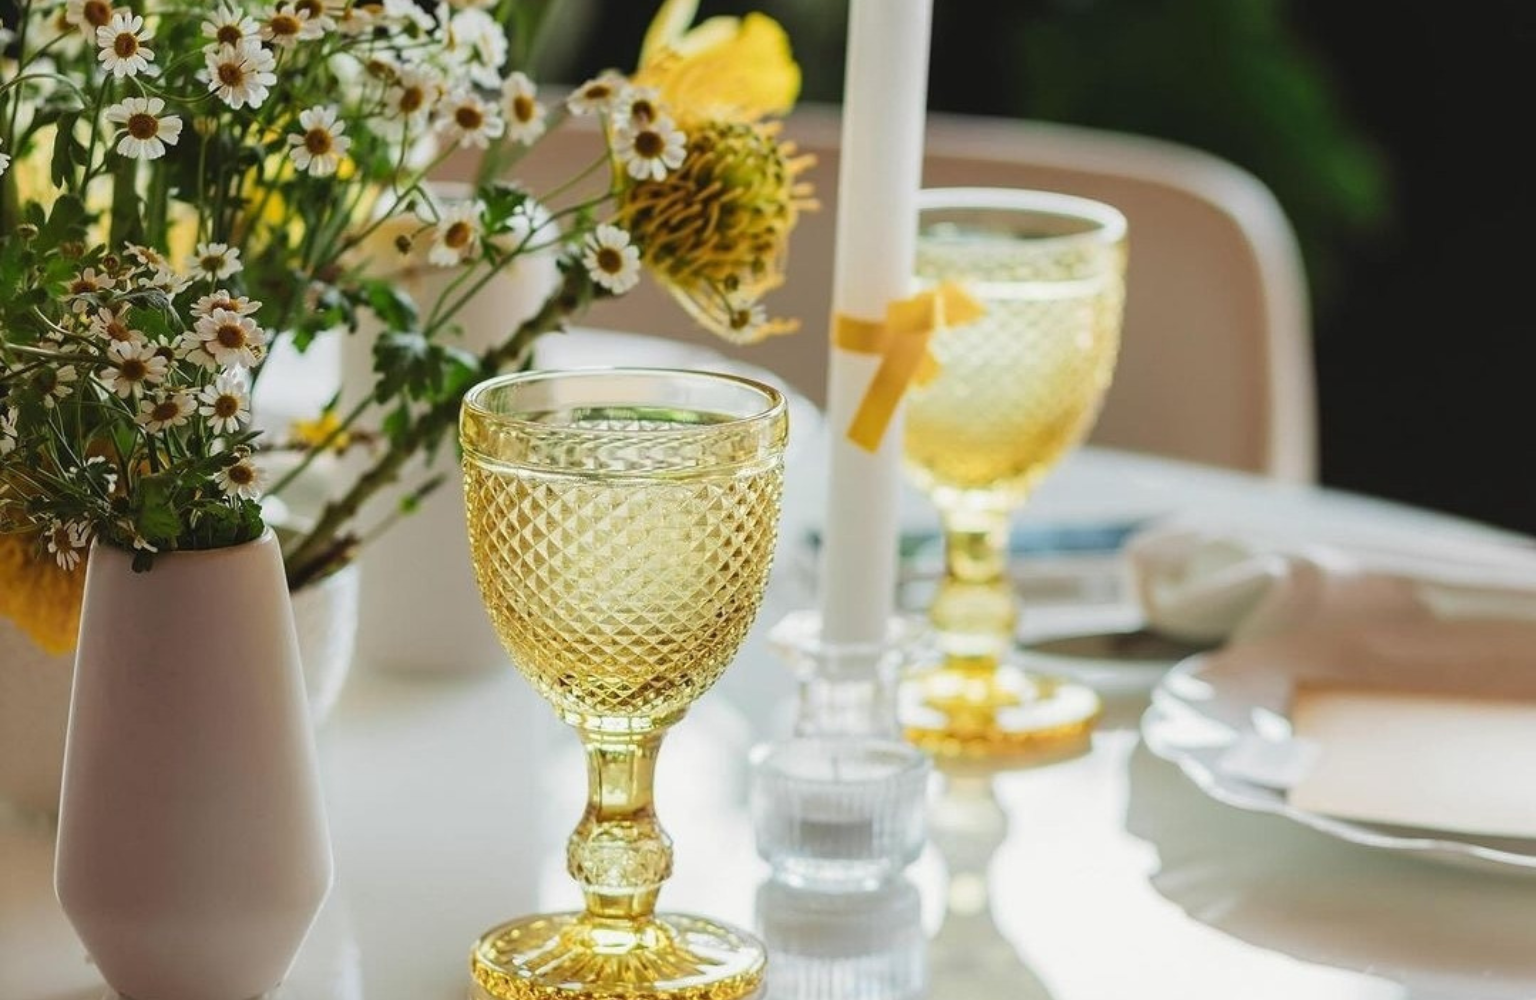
x=623 y=587
x=1022 y=386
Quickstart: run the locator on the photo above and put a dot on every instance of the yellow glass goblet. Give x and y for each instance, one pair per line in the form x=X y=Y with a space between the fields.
x=622 y=524
x=1015 y=392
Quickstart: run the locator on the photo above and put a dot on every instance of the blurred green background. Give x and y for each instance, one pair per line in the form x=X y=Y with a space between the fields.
x=1387 y=131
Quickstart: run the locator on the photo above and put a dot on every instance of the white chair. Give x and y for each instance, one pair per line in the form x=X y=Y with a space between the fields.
x=1216 y=364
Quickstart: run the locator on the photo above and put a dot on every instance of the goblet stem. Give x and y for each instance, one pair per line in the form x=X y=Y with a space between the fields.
x=974 y=611
x=619 y=854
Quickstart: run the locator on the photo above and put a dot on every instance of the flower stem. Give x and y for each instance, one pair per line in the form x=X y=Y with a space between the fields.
x=323 y=546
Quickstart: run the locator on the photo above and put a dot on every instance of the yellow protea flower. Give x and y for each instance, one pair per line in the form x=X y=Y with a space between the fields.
x=42 y=599
x=716 y=230
x=726 y=67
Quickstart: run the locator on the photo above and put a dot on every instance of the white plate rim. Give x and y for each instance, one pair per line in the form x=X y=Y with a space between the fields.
x=1158 y=732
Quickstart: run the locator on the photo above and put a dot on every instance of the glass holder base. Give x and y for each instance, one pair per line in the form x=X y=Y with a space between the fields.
x=1006 y=712
x=568 y=956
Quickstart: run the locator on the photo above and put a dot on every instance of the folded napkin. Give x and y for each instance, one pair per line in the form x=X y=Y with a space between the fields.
x=1210 y=583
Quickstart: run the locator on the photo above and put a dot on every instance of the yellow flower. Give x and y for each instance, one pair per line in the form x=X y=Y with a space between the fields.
x=715 y=231
x=726 y=67
x=315 y=433
x=43 y=600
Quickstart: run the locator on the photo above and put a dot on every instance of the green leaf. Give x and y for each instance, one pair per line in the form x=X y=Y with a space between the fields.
x=395 y=308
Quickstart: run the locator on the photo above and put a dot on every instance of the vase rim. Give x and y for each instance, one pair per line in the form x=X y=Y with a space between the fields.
x=267 y=537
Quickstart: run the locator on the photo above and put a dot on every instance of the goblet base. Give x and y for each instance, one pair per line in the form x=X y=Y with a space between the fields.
x=570 y=956
x=1002 y=711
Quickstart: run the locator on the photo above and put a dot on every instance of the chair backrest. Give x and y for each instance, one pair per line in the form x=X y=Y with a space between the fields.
x=1216 y=363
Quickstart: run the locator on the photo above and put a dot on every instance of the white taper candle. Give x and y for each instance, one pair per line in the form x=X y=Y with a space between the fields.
x=884 y=112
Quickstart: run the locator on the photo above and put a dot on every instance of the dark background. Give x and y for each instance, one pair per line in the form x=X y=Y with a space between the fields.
x=1390 y=132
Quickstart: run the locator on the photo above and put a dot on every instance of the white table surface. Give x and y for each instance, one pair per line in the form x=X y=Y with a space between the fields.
x=451 y=795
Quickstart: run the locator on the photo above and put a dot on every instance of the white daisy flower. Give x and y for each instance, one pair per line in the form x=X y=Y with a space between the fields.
x=637 y=107
x=611 y=259
x=649 y=151
x=166 y=409
x=110 y=323
x=241 y=479
x=224 y=299
x=285 y=26
x=241 y=75
x=134 y=367
x=145 y=132
x=407 y=14
x=65 y=540
x=597 y=95
x=320 y=149
x=468 y=120
x=55 y=383
x=86 y=286
x=226 y=403
x=525 y=116
x=744 y=320
x=88 y=15
x=473 y=40
x=229 y=26
x=216 y=261
x=122 y=49
x=224 y=338
x=8 y=431
x=358 y=18
x=411 y=97
x=5 y=161
x=146 y=256
x=320 y=20
x=458 y=235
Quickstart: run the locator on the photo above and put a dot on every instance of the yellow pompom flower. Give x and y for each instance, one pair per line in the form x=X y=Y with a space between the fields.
x=726 y=67
x=42 y=599
x=716 y=230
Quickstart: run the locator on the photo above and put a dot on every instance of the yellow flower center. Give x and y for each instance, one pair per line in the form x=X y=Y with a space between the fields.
x=83 y=286
x=231 y=74
x=458 y=235
x=230 y=335
x=649 y=144
x=96 y=13
x=597 y=92
x=213 y=263
x=133 y=370
x=411 y=99
x=228 y=34
x=317 y=141
x=226 y=407
x=284 y=25
x=165 y=410
x=468 y=117
x=642 y=111
x=314 y=8
x=609 y=260
x=125 y=45
x=118 y=330
x=523 y=108
x=241 y=474
x=143 y=126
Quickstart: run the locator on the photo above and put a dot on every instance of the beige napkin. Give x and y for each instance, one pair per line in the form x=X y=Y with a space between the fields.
x=1212 y=582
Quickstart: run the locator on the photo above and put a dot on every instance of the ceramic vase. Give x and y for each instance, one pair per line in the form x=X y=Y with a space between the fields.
x=193 y=852
x=34 y=690
x=420 y=608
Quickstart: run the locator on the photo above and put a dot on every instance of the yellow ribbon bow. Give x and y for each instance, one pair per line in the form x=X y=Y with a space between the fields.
x=902 y=342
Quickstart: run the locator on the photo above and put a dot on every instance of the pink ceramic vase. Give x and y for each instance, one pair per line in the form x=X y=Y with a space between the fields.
x=193 y=853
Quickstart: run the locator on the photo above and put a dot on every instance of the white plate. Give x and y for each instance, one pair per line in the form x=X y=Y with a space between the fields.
x=1204 y=706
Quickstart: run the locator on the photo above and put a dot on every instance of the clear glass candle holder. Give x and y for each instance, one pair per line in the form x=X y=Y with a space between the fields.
x=840 y=806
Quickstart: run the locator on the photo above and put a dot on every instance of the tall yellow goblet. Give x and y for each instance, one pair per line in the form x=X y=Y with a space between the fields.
x=622 y=525
x=1015 y=392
